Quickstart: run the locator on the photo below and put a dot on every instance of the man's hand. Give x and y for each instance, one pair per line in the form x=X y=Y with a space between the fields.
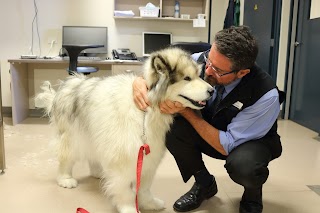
x=170 y=107
x=140 y=90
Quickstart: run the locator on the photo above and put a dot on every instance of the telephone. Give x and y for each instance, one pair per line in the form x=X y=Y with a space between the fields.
x=123 y=54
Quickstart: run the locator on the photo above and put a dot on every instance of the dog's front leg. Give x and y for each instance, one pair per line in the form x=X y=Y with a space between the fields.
x=118 y=188
x=65 y=178
x=146 y=199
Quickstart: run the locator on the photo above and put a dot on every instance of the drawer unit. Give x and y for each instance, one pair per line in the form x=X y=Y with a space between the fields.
x=123 y=69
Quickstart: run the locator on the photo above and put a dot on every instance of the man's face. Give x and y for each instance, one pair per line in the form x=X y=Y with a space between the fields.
x=218 y=69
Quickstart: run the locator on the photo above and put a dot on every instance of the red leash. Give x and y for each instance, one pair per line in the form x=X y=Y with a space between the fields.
x=81 y=210
x=146 y=148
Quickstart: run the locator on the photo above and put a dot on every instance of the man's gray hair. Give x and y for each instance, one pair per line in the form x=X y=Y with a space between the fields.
x=239 y=45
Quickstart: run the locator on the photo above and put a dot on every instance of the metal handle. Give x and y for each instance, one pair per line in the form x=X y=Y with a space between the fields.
x=129 y=71
x=296 y=43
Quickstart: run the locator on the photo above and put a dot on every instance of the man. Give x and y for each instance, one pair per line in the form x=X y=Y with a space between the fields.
x=241 y=128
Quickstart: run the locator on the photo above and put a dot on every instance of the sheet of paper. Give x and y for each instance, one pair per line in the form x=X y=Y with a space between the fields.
x=199 y=23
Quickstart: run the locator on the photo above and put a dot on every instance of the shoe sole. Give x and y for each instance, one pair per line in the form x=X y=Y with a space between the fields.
x=212 y=194
x=178 y=210
x=206 y=198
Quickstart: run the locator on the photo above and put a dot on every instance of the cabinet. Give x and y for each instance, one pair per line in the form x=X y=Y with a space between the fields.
x=126 y=69
x=191 y=7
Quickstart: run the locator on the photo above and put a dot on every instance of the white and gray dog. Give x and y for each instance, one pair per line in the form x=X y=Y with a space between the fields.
x=97 y=120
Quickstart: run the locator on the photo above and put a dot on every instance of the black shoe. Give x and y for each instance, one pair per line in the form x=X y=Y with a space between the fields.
x=194 y=197
x=250 y=207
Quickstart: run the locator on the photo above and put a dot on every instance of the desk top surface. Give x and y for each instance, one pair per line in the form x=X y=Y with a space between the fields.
x=59 y=60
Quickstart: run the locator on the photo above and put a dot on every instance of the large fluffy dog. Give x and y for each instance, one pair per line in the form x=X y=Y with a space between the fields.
x=97 y=120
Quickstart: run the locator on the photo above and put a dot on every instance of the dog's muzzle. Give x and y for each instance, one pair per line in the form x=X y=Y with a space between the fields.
x=196 y=103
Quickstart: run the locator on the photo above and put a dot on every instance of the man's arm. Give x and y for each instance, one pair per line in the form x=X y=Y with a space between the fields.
x=140 y=90
x=253 y=122
x=204 y=129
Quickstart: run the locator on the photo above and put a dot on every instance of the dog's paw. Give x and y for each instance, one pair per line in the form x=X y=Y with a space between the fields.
x=67 y=182
x=154 y=204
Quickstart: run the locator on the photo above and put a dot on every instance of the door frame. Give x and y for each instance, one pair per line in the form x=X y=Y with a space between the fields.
x=276 y=22
x=291 y=48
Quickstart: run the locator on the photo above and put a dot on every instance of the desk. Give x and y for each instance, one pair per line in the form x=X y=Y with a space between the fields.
x=22 y=78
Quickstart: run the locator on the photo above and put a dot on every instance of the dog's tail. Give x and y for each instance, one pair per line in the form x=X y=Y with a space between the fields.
x=46 y=97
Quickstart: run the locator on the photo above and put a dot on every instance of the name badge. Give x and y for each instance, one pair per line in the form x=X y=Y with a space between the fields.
x=238 y=105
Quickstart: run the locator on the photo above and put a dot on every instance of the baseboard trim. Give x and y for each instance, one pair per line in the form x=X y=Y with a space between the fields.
x=7 y=112
x=38 y=112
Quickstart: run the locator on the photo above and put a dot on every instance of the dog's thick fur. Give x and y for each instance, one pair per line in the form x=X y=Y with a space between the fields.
x=96 y=120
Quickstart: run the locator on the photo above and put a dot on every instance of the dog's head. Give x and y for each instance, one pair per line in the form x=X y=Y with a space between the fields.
x=172 y=74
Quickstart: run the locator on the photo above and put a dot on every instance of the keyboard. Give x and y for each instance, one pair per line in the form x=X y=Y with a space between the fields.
x=84 y=58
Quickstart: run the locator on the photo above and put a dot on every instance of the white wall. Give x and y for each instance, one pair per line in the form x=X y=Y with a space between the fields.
x=283 y=44
x=315 y=12
x=16 y=22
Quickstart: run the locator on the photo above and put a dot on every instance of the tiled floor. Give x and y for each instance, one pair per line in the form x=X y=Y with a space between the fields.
x=28 y=184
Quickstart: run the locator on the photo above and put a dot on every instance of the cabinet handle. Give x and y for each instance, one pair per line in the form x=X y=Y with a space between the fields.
x=129 y=71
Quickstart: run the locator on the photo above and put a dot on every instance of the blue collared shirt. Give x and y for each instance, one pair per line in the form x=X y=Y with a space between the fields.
x=253 y=122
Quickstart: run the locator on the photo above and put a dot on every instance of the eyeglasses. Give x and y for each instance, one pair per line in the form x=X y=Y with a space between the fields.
x=218 y=71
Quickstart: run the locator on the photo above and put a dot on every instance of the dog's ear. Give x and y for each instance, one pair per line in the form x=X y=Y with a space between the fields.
x=160 y=65
x=160 y=75
x=160 y=69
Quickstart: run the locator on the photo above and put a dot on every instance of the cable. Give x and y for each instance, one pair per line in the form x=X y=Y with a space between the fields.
x=51 y=45
x=35 y=19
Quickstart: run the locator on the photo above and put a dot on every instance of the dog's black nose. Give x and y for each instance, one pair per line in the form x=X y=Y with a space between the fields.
x=211 y=92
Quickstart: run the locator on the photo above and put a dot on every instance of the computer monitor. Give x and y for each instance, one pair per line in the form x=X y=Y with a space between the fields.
x=153 y=41
x=85 y=35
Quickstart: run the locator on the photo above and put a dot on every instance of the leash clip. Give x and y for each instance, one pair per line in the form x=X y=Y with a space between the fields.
x=144 y=138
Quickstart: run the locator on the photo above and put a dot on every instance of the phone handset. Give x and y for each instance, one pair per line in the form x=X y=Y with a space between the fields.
x=115 y=54
x=123 y=54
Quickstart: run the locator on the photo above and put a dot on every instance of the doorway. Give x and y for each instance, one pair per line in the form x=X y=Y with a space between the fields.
x=305 y=87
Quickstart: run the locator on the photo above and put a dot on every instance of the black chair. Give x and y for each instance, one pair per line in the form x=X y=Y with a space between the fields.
x=73 y=52
x=192 y=47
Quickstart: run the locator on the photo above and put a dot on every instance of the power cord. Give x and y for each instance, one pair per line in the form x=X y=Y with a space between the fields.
x=35 y=20
x=51 y=46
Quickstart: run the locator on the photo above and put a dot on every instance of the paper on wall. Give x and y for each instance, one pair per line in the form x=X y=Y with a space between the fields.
x=199 y=22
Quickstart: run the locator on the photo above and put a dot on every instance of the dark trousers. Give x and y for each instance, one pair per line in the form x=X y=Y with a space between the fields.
x=246 y=165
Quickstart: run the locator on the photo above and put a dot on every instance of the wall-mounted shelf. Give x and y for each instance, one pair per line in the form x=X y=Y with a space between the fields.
x=152 y=19
x=191 y=7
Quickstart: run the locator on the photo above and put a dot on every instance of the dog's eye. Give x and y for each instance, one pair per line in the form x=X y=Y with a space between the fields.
x=187 y=78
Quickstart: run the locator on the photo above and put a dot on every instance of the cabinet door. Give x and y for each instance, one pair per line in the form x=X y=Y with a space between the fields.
x=126 y=69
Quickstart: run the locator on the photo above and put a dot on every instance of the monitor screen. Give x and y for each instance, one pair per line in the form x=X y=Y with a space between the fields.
x=83 y=35
x=153 y=41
